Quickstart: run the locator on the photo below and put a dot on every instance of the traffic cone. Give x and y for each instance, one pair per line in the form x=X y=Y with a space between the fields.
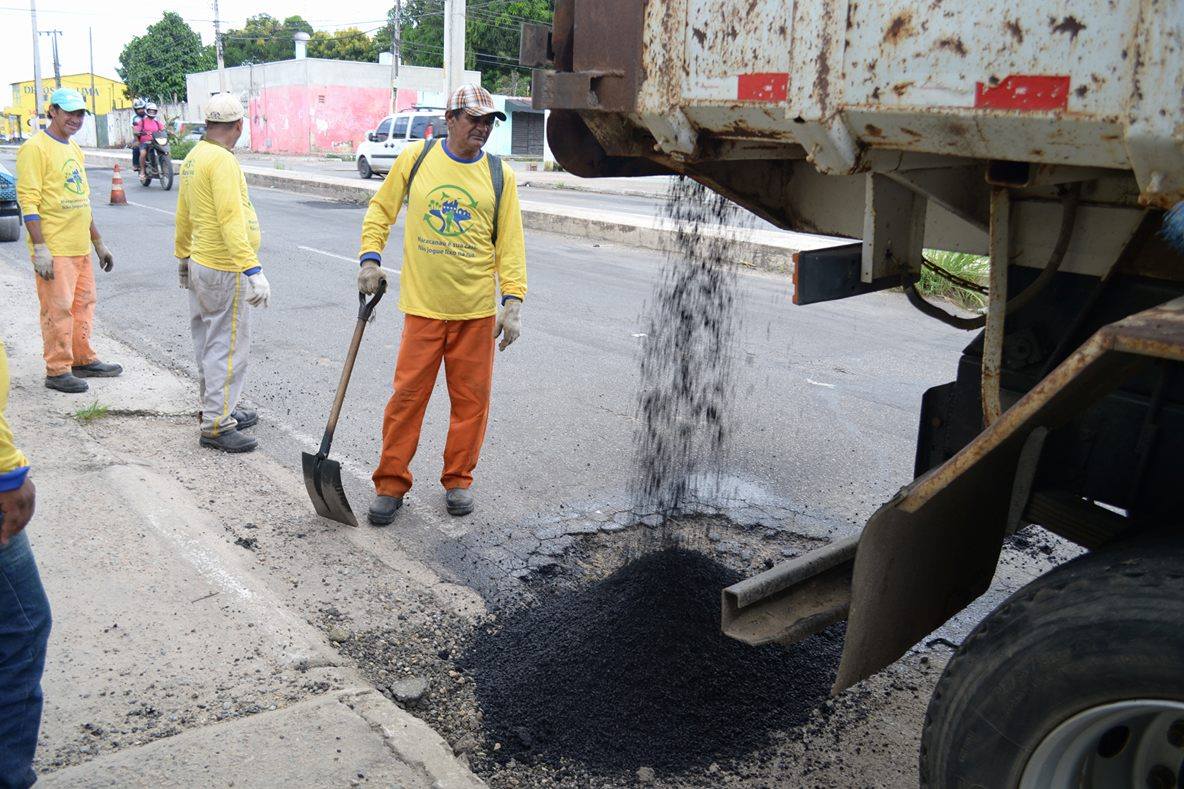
x=117 y=195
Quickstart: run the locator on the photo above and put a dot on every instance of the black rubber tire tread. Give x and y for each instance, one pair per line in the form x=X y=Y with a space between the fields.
x=10 y=228
x=166 y=173
x=364 y=168
x=1104 y=627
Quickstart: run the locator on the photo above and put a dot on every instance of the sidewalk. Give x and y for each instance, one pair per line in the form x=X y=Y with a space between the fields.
x=766 y=250
x=187 y=647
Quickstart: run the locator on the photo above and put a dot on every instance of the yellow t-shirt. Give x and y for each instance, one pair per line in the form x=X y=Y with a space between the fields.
x=51 y=186
x=216 y=223
x=10 y=457
x=451 y=269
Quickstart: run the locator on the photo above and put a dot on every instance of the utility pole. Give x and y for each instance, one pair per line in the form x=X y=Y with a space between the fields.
x=396 y=53
x=36 y=68
x=94 y=94
x=57 y=67
x=454 y=45
x=218 y=49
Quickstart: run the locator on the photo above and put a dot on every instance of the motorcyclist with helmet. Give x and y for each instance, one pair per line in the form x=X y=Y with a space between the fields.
x=138 y=106
x=144 y=128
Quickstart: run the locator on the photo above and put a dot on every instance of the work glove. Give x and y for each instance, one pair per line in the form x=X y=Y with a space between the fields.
x=43 y=261
x=260 y=290
x=509 y=323
x=106 y=259
x=370 y=276
x=183 y=272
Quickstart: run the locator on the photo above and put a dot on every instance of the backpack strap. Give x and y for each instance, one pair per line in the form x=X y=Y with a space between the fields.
x=419 y=160
x=499 y=182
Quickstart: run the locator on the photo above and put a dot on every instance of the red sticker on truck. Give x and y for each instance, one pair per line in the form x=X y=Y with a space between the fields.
x=762 y=87
x=1024 y=93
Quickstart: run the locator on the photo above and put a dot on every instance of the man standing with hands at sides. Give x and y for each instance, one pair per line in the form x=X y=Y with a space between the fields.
x=461 y=243
x=54 y=196
x=24 y=611
x=216 y=245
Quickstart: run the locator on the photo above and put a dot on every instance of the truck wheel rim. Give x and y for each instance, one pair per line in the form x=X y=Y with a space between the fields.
x=1127 y=743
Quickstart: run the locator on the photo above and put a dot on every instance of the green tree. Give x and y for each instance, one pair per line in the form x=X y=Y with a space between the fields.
x=154 y=65
x=491 y=38
x=263 y=39
x=348 y=44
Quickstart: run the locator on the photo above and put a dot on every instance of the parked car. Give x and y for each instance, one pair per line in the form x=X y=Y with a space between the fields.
x=192 y=131
x=10 y=212
x=385 y=142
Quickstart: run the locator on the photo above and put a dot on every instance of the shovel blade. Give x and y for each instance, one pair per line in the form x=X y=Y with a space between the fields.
x=322 y=477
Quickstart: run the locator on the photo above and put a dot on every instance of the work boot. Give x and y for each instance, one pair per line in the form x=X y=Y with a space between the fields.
x=233 y=441
x=245 y=418
x=66 y=382
x=97 y=369
x=459 y=501
x=383 y=510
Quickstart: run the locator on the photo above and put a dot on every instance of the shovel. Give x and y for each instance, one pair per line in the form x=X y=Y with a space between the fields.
x=322 y=476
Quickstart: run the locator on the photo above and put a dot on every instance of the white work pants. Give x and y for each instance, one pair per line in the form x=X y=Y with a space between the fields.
x=220 y=322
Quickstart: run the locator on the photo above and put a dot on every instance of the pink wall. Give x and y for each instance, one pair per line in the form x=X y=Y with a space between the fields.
x=304 y=119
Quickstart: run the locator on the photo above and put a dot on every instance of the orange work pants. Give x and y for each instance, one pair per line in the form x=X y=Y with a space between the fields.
x=67 y=313
x=466 y=348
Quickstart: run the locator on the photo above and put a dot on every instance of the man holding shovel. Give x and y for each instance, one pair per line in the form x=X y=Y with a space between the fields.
x=54 y=196
x=462 y=243
x=216 y=246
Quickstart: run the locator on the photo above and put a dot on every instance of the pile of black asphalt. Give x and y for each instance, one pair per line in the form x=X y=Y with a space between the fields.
x=632 y=670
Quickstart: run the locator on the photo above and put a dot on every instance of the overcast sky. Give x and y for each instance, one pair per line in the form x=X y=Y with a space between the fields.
x=115 y=22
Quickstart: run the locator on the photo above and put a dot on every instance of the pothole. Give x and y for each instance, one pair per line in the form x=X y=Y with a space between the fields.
x=611 y=662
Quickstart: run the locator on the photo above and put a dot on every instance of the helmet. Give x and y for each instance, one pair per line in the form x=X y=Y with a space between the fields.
x=150 y=108
x=138 y=104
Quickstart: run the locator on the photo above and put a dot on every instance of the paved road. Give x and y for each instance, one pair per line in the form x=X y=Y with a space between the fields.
x=827 y=402
x=826 y=408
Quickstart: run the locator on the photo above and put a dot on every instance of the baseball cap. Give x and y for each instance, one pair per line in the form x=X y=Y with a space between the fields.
x=223 y=108
x=69 y=99
x=474 y=100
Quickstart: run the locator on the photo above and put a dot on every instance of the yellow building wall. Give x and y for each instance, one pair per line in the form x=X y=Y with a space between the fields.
x=108 y=95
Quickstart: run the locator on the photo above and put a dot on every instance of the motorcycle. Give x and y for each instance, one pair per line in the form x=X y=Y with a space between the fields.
x=156 y=162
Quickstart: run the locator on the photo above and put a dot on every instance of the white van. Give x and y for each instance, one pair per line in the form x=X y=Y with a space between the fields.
x=382 y=145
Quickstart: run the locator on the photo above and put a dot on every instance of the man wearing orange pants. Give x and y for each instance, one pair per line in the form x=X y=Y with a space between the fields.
x=463 y=241
x=54 y=197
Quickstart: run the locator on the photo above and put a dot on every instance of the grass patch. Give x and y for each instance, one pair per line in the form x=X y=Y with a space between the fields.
x=973 y=269
x=90 y=413
x=179 y=150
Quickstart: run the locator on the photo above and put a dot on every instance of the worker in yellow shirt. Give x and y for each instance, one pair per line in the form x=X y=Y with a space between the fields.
x=217 y=245
x=54 y=196
x=24 y=611
x=461 y=244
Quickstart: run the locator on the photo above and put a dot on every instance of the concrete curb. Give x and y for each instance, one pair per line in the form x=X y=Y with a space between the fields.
x=763 y=250
x=274 y=748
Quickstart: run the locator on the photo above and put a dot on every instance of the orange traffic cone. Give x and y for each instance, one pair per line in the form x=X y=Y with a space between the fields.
x=117 y=195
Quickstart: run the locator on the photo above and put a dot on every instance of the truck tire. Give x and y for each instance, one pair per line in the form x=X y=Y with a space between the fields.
x=1076 y=680
x=364 y=167
x=10 y=228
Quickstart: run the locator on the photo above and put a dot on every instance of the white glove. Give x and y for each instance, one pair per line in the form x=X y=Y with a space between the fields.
x=106 y=259
x=183 y=272
x=260 y=290
x=43 y=261
x=509 y=323
x=370 y=276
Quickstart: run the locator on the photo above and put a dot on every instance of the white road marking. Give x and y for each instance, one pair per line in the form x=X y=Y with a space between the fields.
x=151 y=208
x=638 y=335
x=343 y=257
x=819 y=383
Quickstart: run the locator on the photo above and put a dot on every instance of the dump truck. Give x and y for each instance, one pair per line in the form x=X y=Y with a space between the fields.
x=1049 y=136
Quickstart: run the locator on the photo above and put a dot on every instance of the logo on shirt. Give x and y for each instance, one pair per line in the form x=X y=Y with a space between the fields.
x=450 y=208
x=74 y=182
